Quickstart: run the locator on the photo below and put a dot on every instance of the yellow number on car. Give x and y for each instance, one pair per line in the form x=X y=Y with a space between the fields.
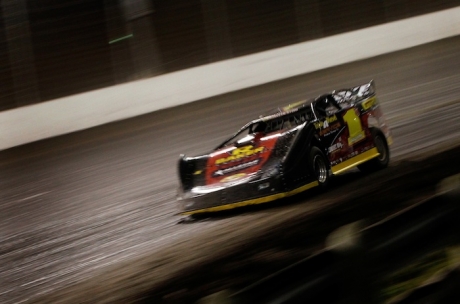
x=355 y=129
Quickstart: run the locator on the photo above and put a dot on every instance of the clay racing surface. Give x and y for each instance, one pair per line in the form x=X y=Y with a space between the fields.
x=100 y=203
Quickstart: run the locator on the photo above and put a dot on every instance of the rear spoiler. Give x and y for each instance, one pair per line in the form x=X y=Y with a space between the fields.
x=356 y=93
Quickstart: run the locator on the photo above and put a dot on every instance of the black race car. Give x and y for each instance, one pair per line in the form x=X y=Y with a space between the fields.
x=294 y=149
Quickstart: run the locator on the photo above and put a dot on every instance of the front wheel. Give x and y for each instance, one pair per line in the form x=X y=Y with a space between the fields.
x=381 y=161
x=318 y=167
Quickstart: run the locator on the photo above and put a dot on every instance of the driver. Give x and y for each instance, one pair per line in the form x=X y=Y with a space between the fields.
x=324 y=103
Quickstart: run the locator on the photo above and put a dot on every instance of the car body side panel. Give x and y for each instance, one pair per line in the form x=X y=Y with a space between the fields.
x=295 y=164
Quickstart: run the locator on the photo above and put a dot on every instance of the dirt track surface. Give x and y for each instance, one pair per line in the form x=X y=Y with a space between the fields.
x=74 y=206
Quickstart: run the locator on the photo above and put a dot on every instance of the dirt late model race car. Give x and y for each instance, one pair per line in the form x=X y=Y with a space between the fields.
x=294 y=149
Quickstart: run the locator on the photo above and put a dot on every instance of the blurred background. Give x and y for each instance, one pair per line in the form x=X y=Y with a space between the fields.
x=73 y=205
x=51 y=48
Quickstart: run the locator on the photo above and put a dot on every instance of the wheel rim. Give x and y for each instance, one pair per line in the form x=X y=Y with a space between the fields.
x=320 y=169
x=380 y=145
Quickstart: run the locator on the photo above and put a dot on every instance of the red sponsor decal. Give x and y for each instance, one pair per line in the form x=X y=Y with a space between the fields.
x=246 y=159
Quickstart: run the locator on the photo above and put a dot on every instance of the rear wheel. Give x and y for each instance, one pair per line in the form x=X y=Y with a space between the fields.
x=380 y=161
x=318 y=167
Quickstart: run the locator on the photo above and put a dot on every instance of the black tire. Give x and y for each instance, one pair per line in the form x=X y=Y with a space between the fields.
x=383 y=159
x=318 y=167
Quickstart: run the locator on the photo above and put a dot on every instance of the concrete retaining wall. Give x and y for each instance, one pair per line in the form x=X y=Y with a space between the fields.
x=89 y=109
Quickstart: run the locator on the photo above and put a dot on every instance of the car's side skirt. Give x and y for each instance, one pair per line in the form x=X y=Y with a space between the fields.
x=254 y=201
x=356 y=160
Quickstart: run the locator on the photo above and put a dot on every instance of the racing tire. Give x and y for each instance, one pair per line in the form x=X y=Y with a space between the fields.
x=381 y=161
x=319 y=167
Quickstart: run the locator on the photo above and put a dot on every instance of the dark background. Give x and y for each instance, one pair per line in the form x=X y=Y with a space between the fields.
x=53 y=48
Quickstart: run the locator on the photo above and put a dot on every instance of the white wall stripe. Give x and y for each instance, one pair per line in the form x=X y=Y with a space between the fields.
x=89 y=109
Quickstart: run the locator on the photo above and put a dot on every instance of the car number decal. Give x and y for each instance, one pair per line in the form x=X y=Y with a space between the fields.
x=355 y=128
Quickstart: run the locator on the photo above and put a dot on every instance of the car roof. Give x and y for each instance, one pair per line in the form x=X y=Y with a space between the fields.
x=286 y=110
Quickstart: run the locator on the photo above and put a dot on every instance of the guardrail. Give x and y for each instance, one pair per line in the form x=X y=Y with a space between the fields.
x=357 y=258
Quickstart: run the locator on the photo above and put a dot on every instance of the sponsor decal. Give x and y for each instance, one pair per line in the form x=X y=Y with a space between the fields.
x=369 y=103
x=335 y=147
x=329 y=130
x=240 y=153
x=356 y=138
x=352 y=154
x=233 y=161
x=279 y=114
x=325 y=124
x=233 y=177
x=238 y=167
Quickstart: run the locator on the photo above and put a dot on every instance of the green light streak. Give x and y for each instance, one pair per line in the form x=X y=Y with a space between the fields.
x=121 y=38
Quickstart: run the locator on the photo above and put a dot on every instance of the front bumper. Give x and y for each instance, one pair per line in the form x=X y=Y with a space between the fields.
x=226 y=197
